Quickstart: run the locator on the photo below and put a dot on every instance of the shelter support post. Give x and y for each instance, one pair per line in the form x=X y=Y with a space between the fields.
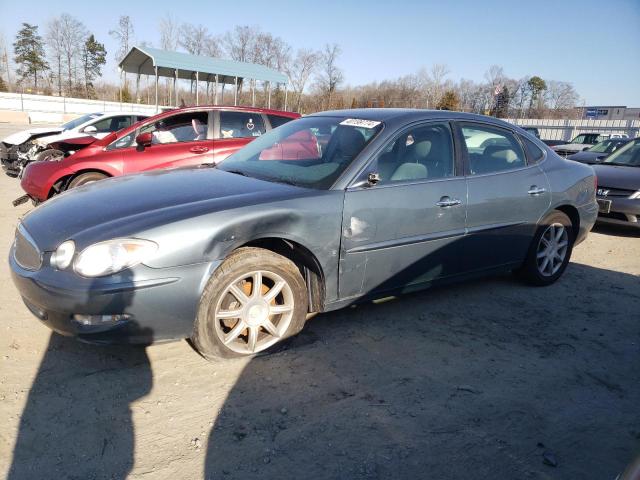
x=269 y=96
x=215 y=91
x=156 y=71
x=235 y=91
x=175 y=87
x=197 y=82
x=253 y=92
x=286 y=91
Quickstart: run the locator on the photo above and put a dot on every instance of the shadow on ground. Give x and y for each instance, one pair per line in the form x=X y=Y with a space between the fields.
x=481 y=380
x=474 y=380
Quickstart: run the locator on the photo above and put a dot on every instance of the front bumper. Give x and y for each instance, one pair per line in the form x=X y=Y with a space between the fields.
x=159 y=304
x=622 y=211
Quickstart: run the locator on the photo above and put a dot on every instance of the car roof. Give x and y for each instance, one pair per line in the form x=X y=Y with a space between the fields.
x=404 y=115
x=196 y=108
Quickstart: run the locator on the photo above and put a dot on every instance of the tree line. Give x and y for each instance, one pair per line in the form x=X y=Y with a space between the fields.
x=68 y=60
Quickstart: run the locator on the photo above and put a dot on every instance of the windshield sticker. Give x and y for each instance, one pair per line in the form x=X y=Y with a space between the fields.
x=356 y=122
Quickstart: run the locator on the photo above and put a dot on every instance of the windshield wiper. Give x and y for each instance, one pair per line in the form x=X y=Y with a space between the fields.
x=236 y=172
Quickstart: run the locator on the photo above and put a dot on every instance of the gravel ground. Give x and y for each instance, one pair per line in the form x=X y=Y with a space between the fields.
x=488 y=379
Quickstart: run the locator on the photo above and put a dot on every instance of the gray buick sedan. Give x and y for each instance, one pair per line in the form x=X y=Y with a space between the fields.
x=323 y=212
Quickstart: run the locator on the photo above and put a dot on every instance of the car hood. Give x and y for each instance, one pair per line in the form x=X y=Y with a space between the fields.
x=614 y=176
x=21 y=137
x=571 y=147
x=587 y=157
x=132 y=204
x=44 y=141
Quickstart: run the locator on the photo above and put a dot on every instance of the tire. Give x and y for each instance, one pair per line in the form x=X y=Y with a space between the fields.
x=49 y=154
x=85 y=178
x=249 y=326
x=544 y=266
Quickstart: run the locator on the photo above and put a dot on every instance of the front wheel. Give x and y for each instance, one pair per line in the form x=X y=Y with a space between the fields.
x=253 y=301
x=550 y=250
x=50 y=154
x=86 y=178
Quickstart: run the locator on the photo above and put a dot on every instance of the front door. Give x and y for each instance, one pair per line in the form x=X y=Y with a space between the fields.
x=179 y=140
x=402 y=231
x=507 y=196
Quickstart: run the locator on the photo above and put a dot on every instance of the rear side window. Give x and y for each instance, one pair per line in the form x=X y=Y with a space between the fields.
x=534 y=153
x=491 y=150
x=241 y=125
x=277 y=120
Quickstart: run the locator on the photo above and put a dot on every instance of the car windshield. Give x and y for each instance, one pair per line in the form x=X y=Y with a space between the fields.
x=80 y=120
x=310 y=152
x=603 y=147
x=629 y=155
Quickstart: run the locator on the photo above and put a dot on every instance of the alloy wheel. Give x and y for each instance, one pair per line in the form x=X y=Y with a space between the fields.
x=552 y=249
x=254 y=312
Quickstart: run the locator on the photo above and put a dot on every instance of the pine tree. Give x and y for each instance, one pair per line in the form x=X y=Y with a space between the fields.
x=449 y=101
x=29 y=53
x=94 y=56
x=501 y=108
x=3 y=86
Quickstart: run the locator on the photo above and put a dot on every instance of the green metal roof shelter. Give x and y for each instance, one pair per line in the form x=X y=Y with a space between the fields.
x=178 y=65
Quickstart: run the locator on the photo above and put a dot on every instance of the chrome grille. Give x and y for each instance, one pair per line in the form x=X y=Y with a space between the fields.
x=25 y=250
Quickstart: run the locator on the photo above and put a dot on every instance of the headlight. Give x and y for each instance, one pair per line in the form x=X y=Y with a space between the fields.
x=63 y=255
x=635 y=195
x=112 y=256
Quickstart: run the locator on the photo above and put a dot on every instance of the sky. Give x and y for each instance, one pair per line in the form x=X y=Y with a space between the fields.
x=595 y=45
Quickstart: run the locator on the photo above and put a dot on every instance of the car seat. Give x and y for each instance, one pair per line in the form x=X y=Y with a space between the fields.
x=199 y=128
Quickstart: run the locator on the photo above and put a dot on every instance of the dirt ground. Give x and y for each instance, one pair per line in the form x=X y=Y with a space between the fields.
x=488 y=379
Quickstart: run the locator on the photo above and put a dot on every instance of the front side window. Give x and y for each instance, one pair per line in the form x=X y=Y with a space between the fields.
x=580 y=139
x=241 y=124
x=184 y=127
x=123 y=142
x=308 y=152
x=421 y=153
x=628 y=155
x=498 y=153
x=112 y=124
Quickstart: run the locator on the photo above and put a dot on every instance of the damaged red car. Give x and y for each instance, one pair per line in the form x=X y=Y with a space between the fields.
x=178 y=138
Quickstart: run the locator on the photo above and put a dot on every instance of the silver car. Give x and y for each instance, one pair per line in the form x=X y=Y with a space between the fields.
x=329 y=210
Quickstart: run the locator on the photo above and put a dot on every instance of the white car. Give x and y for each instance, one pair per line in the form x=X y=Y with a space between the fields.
x=19 y=148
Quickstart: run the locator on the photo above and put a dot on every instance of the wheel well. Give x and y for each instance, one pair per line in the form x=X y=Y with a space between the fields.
x=305 y=260
x=60 y=185
x=574 y=216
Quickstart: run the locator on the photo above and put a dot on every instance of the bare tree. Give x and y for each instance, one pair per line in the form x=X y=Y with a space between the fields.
x=72 y=35
x=299 y=71
x=194 y=38
x=239 y=43
x=124 y=35
x=434 y=84
x=560 y=95
x=169 y=33
x=330 y=76
x=54 y=42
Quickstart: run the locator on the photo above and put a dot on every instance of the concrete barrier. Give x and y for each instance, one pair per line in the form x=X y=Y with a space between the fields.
x=12 y=116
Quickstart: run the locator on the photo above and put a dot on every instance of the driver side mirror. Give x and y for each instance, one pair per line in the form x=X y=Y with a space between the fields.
x=144 y=139
x=90 y=129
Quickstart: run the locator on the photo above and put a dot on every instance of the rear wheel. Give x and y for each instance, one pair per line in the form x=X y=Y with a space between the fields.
x=86 y=178
x=48 y=155
x=550 y=250
x=253 y=301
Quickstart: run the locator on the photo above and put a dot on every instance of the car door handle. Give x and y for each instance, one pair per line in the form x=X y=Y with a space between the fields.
x=534 y=190
x=448 y=202
x=199 y=149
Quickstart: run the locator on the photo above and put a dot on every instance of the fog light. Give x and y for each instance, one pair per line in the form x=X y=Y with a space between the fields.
x=99 y=319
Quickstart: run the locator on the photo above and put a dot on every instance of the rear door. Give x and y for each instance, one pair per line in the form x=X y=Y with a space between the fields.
x=507 y=196
x=180 y=140
x=233 y=130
